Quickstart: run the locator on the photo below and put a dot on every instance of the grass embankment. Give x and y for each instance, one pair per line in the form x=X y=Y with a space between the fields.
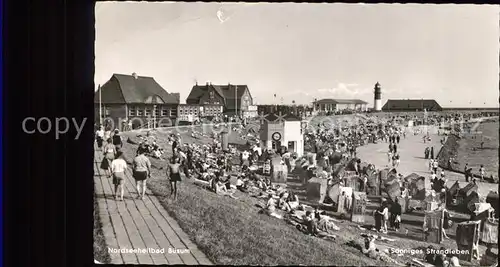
x=468 y=150
x=231 y=232
x=100 y=247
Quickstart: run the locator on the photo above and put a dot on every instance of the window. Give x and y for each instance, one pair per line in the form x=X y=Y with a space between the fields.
x=275 y=144
x=212 y=95
x=157 y=112
x=139 y=112
x=164 y=112
x=147 y=112
x=132 y=111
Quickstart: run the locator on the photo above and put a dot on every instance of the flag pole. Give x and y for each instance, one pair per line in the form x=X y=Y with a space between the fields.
x=100 y=105
x=236 y=99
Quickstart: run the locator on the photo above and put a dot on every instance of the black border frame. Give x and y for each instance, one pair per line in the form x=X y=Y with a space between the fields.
x=48 y=61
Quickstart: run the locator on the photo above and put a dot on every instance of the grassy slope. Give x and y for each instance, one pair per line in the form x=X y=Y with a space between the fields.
x=100 y=247
x=231 y=232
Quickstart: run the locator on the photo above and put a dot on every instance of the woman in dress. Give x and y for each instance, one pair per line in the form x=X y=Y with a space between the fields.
x=382 y=215
x=100 y=137
x=109 y=154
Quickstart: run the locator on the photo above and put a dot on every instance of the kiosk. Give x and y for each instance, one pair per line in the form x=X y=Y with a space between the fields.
x=282 y=130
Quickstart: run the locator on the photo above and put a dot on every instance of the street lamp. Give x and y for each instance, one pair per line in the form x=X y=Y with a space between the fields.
x=154 y=116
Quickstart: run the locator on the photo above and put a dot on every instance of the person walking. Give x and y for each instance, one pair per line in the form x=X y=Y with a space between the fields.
x=118 y=168
x=382 y=215
x=109 y=154
x=398 y=160
x=117 y=140
x=141 y=172
x=100 y=137
x=395 y=218
x=435 y=166
x=482 y=172
x=173 y=173
x=183 y=162
x=466 y=173
x=174 y=146
x=107 y=134
x=432 y=152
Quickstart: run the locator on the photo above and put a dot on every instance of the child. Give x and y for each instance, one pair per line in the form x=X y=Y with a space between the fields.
x=267 y=167
x=383 y=213
x=481 y=172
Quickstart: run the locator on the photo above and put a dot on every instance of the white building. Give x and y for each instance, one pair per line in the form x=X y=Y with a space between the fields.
x=334 y=105
x=286 y=130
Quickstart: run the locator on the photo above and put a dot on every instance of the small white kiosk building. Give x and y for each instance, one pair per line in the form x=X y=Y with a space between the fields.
x=282 y=130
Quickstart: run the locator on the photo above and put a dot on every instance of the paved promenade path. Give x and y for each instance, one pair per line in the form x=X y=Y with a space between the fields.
x=140 y=224
x=411 y=149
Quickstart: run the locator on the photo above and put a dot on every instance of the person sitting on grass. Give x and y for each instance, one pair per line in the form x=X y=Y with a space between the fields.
x=221 y=189
x=241 y=185
x=293 y=201
x=310 y=223
x=283 y=204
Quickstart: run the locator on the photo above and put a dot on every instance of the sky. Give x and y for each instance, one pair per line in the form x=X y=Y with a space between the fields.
x=302 y=52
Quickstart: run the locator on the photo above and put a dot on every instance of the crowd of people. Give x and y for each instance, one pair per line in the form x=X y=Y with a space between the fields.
x=225 y=170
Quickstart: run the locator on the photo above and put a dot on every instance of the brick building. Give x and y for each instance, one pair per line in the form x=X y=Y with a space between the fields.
x=138 y=99
x=234 y=98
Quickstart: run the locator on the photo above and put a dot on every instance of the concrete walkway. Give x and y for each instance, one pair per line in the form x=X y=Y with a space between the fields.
x=142 y=225
x=411 y=150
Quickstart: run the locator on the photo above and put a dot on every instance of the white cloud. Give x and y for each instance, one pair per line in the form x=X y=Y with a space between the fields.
x=344 y=90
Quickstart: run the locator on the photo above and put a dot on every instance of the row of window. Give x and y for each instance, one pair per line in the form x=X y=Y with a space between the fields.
x=158 y=112
x=165 y=112
x=148 y=112
x=188 y=112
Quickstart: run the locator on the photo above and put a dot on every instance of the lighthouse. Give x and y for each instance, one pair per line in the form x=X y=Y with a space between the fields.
x=377 y=106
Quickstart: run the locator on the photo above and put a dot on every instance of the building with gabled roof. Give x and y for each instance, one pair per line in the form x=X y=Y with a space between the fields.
x=234 y=98
x=282 y=131
x=134 y=98
x=411 y=105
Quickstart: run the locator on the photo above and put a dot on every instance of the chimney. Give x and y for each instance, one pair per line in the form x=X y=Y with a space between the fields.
x=135 y=75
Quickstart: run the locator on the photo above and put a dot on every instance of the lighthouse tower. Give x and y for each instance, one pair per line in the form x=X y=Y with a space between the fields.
x=378 y=98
